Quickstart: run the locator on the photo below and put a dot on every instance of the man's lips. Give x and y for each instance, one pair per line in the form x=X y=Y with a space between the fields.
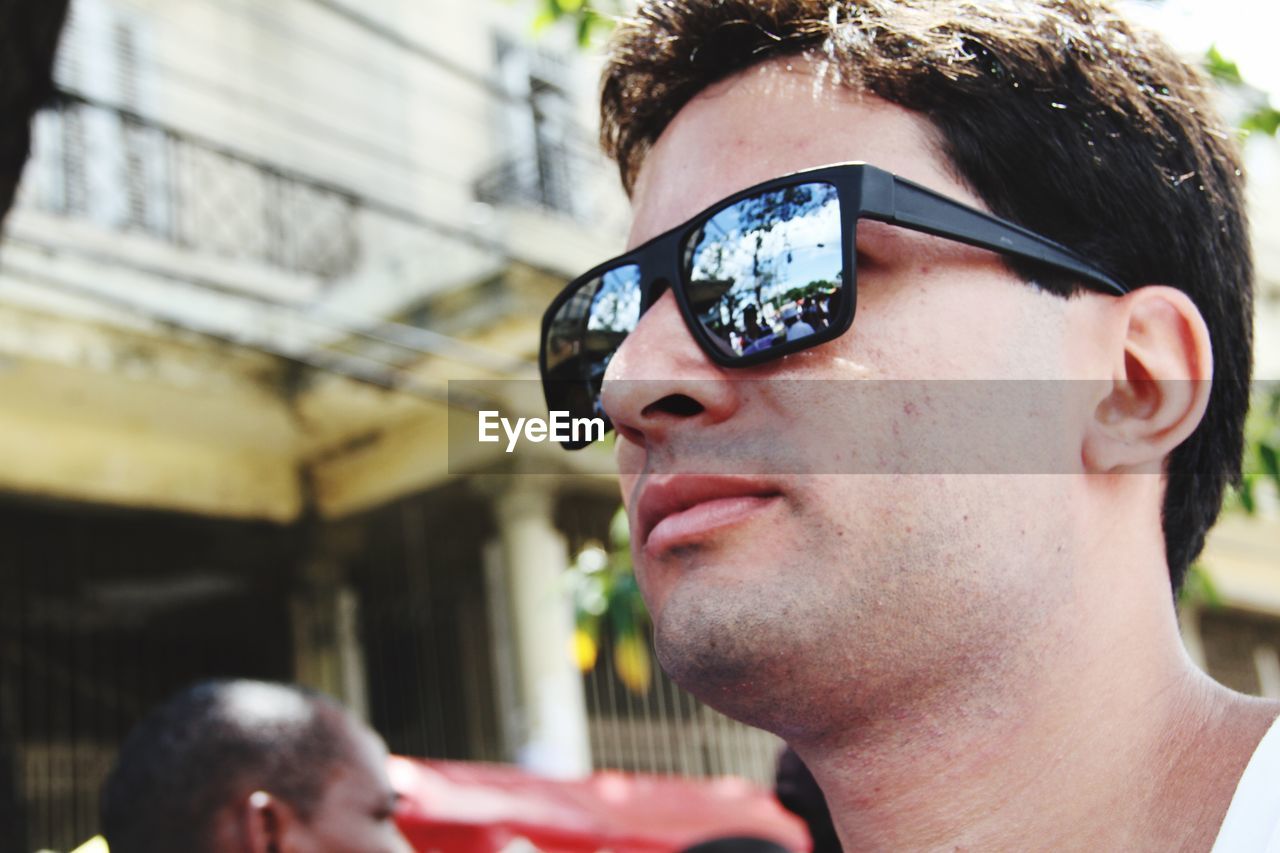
x=675 y=510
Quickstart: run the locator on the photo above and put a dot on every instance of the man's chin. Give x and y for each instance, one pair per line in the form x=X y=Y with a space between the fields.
x=726 y=653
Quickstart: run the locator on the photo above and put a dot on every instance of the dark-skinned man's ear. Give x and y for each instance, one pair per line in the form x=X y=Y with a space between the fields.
x=266 y=821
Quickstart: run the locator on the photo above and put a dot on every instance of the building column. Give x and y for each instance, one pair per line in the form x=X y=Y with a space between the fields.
x=549 y=730
x=327 y=652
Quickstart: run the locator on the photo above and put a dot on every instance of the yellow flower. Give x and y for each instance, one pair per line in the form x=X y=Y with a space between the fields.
x=631 y=657
x=584 y=650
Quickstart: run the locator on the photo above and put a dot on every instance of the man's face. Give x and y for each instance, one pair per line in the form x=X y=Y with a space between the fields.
x=879 y=585
x=355 y=813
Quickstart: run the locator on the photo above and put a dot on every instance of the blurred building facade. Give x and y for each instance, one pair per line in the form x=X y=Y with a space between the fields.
x=253 y=244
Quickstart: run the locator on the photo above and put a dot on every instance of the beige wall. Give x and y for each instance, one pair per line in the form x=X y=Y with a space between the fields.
x=406 y=121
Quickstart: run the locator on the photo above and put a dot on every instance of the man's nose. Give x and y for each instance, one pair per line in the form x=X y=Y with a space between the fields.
x=660 y=379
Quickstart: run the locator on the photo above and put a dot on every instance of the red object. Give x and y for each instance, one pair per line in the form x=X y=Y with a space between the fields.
x=464 y=807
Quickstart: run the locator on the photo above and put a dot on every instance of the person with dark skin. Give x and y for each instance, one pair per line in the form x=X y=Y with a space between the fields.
x=250 y=767
x=981 y=656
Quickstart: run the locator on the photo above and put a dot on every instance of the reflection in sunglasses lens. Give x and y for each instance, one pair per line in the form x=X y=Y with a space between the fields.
x=584 y=334
x=767 y=269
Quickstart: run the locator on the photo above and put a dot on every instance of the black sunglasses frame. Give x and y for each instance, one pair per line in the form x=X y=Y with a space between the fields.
x=863 y=192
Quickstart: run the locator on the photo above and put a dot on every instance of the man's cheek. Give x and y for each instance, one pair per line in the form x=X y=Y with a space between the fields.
x=630 y=462
x=648 y=579
x=629 y=458
x=627 y=486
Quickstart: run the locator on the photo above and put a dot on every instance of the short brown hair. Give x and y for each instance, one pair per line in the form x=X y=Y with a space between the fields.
x=1059 y=114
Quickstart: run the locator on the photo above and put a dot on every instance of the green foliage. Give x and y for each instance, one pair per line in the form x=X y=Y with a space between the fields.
x=1261 y=117
x=1261 y=466
x=587 y=17
x=1198 y=588
x=1262 y=430
x=813 y=289
x=1262 y=450
x=1220 y=68
x=606 y=598
x=1262 y=446
x=1264 y=119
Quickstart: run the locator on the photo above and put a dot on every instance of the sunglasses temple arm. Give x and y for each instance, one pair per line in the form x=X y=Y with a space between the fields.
x=920 y=209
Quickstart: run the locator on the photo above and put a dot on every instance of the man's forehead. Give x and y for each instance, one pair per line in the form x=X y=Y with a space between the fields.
x=773 y=119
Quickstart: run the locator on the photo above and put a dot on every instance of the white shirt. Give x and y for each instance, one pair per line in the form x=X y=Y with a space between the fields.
x=1252 y=824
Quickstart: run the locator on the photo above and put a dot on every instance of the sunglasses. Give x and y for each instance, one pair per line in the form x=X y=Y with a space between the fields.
x=766 y=272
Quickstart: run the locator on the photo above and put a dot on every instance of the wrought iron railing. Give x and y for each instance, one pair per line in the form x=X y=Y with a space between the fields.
x=557 y=178
x=542 y=182
x=131 y=174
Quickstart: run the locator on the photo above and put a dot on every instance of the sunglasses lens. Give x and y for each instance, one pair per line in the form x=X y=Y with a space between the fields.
x=584 y=334
x=767 y=269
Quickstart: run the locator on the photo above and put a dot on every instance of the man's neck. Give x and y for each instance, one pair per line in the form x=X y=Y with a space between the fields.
x=1118 y=744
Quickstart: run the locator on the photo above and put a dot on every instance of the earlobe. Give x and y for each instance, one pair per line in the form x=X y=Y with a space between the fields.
x=1159 y=389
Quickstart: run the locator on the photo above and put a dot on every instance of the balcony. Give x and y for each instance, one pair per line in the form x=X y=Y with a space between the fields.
x=121 y=171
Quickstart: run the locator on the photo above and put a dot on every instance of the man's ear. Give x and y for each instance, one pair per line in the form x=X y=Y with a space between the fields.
x=1159 y=387
x=268 y=823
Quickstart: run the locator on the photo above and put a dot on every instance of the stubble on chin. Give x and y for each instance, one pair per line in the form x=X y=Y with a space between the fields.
x=740 y=647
